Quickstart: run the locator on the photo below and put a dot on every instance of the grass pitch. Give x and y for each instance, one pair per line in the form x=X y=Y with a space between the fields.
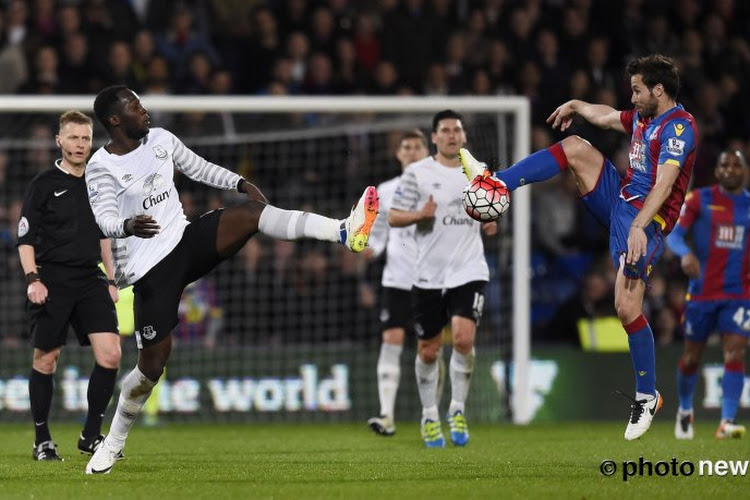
x=348 y=461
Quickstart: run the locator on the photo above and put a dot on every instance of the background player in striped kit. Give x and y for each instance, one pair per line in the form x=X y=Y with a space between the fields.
x=132 y=193
x=396 y=314
x=639 y=209
x=451 y=273
x=718 y=300
x=60 y=246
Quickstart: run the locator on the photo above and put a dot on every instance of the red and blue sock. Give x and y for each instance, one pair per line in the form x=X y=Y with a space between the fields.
x=641 y=341
x=686 y=378
x=540 y=166
x=731 y=386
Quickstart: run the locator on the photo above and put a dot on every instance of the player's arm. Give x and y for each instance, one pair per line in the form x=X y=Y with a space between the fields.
x=201 y=170
x=403 y=218
x=36 y=291
x=601 y=115
x=666 y=175
x=677 y=241
x=404 y=210
x=103 y=201
x=105 y=245
x=28 y=225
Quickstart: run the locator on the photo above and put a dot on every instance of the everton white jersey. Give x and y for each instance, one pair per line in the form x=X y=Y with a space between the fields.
x=398 y=242
x=450 y=252
x=141 y=182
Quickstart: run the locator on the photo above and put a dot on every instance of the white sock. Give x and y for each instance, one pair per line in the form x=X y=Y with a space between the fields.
x=642 y=395
x=294 y=224
x=427 y=378
x=389 y=374
x=135 y=391
x=461 y=368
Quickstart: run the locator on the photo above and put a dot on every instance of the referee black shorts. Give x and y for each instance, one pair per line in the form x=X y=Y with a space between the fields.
x=83 y=303
x=433 y=309
x=157 y=294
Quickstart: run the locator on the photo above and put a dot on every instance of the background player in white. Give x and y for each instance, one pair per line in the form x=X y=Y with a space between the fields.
x=133 y=196
x=396 y=313
x=451 y=273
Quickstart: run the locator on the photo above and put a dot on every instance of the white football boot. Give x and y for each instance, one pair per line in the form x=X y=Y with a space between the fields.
x=471 y=166
x=103 y=459
x=683 y=426
x=641 y=414
x=355 y=229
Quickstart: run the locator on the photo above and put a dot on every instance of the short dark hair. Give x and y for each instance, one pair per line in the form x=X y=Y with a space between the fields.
x=414 y=134
x=74 y=116
x=105 y=102
x=656 y=69
x=445 y=114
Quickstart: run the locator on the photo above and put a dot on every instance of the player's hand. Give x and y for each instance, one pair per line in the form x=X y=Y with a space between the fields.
x=114 y=293
x=142 y=226
x=691 y=266
x=429 y=208
x=562 y=117
x=489 y=228
x=636 y=245
x=37 y=292
x=252 y=192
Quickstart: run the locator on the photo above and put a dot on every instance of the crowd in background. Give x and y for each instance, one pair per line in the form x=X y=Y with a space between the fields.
x=546 y=50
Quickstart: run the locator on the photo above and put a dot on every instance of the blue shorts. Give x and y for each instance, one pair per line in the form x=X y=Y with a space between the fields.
x=704 y=317
x=606 y=205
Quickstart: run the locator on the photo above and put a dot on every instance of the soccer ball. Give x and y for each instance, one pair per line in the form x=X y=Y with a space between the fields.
x=485 y=199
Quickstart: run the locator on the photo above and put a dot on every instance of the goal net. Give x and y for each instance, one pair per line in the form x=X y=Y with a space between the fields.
x=284 y=330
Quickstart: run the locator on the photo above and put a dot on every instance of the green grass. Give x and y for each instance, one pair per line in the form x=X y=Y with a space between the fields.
x=347 y=461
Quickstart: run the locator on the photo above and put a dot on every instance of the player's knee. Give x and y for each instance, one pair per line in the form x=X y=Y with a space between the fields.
x=577 y=150
x=463 y=344
x=627 y=310
x=393 y=336
x=734 y=354
x=46 y=362
x=689 y=360
x=429 y=352
x=110 y=357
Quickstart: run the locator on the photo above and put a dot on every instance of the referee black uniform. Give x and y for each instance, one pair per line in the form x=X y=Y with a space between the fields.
x=57 y=221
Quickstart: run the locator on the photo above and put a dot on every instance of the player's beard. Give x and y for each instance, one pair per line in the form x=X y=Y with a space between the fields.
x=650 y=107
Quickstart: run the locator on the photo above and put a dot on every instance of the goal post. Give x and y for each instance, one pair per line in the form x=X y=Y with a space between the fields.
x=512 y=143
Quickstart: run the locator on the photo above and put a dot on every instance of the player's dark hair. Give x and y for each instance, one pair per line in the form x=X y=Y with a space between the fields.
x=74 y=116
x=656 y=69
x=443 y=115
x=414 y=134
x=105 y=102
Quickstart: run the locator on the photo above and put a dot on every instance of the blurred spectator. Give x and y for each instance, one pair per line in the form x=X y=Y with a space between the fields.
x=595 y=299
x=181 y=40
x=77 y=72
x=44 y=78
x=200 y=315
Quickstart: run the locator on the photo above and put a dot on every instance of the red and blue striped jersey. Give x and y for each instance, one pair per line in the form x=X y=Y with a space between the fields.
x=669 y=139
x=720 y=224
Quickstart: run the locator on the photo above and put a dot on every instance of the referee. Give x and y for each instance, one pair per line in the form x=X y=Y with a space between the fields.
x=60 y=246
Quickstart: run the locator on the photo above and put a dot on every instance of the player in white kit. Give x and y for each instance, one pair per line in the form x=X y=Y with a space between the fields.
x=132 y=193
x=451 y=273
x=396 y=314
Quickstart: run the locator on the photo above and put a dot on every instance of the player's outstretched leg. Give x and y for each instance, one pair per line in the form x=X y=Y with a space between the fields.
x=353 y=232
